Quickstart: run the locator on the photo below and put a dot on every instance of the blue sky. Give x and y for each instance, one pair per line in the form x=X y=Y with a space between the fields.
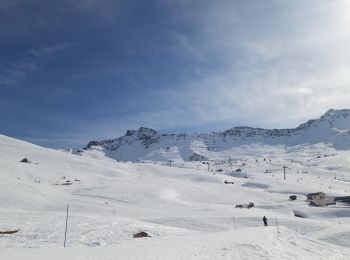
x=74 y=71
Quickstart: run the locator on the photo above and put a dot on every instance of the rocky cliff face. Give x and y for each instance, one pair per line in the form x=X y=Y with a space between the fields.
x=145 y=143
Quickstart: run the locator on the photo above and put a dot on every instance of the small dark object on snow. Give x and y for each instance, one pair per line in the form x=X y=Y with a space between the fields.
x=298 y=215
x=265 y=221
x=247 y=206
x=293 y=197
x=140 y=234
x=250 y=205
x=9 y=232
x=25 y=160
x=238 y=170
x=229 y=182
x=345 y=199
x=66 y=183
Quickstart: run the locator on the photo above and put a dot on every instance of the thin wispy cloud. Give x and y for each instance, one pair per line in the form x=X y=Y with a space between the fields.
x=12 y=73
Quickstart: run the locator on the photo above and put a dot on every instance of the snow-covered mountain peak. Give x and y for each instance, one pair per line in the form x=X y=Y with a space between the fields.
x=339 y=119
x=337 y=113
x=146 y=143
x=146 y=132
x=141 y=132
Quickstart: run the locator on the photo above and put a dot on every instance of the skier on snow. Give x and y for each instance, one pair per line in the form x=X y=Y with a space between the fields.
x=265 y=221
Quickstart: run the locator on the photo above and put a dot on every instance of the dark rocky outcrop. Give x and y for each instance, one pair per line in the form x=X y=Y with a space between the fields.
x=140 y=234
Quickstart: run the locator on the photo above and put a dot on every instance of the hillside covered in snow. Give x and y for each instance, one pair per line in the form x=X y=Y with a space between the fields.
x=187 y=211
x=332 y=128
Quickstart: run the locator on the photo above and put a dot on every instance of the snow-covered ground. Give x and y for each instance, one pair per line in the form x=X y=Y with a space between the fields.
x=187 y=210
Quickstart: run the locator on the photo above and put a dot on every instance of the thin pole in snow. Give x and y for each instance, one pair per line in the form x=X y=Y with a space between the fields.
x=278 y=233
x=234 y=222
x=284 y=171
x=65 y=232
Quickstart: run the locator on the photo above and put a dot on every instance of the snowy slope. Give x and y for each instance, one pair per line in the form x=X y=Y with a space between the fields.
x=189 y=212
x=146 y=144
x=251 y=243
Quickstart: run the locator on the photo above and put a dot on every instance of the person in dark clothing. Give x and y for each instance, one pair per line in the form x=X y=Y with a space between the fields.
x=265 y=221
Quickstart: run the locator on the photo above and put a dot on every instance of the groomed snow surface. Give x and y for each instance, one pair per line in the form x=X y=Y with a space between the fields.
x=187 y=210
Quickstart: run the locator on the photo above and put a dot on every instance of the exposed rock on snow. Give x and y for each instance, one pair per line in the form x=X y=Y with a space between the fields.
x=198 y=157
x=140 y=234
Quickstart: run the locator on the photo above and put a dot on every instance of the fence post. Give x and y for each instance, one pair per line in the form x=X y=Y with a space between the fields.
x=278 y=233
x=65 y=232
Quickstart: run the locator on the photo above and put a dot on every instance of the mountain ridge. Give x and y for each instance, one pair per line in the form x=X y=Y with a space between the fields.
x=146 y=143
